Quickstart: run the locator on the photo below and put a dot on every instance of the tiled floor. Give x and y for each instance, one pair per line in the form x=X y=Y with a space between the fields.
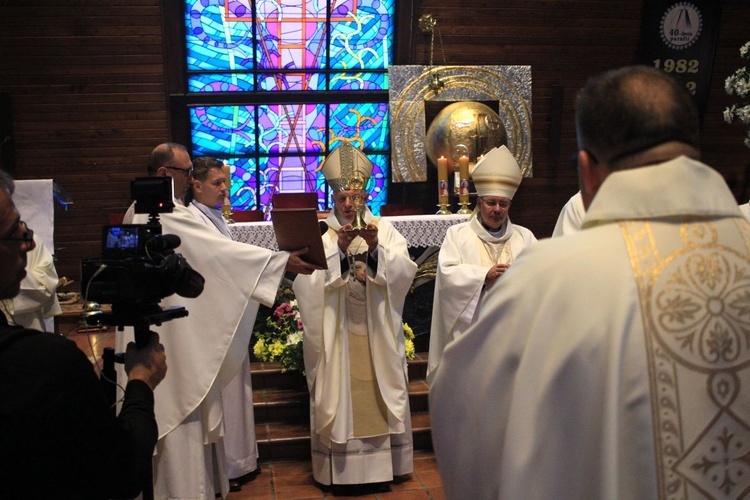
x=293 y=480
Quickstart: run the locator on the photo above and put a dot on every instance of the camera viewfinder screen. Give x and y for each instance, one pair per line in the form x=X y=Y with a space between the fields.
x=121 y=237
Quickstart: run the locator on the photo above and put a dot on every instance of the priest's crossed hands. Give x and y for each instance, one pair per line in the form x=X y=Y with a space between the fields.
x=494 y=273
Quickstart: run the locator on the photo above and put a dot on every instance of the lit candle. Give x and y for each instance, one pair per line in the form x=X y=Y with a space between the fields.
x=443 y=179
x=463 y=169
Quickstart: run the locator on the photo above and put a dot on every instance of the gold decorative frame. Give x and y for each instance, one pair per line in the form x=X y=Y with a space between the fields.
x=410 y=86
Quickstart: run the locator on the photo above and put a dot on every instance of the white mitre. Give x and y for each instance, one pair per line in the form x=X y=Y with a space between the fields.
x=343 y=164
x=497 y=174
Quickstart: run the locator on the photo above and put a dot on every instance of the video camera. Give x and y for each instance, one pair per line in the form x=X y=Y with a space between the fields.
x=138 y=265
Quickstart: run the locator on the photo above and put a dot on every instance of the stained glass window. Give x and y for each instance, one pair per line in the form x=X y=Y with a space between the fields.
x=282 y=84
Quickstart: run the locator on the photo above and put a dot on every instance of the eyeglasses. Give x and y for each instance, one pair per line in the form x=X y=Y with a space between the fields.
x=187 y=172
x=496 y=203
x=23 y=234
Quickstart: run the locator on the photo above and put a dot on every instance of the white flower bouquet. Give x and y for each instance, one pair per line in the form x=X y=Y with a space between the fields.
x=281 y=340
x=739 y=84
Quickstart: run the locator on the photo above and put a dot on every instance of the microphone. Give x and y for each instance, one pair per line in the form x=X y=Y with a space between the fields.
x=163 y=242
x=323 y=227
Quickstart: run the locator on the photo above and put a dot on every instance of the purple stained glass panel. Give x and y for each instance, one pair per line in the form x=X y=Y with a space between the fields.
x=291 y=38
x=292 y=128
x=218 y=37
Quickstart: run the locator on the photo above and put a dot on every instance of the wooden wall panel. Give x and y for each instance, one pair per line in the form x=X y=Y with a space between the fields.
x=86 y=80
x=88 y=83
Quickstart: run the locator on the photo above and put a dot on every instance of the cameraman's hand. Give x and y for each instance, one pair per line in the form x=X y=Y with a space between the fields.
x=148 y=364
x=295 y=264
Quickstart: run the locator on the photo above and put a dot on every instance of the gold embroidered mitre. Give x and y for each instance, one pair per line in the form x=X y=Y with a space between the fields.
x=346 y=167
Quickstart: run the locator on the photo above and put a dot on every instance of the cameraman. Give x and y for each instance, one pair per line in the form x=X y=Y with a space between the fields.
x=58 y=438
x=207 y=349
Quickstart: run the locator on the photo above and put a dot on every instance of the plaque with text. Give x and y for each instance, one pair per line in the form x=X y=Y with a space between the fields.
x=680 y=39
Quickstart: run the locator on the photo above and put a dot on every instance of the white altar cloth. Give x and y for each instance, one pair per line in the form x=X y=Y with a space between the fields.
x=419 y=230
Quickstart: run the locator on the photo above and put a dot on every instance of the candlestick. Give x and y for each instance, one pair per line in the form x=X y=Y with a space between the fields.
x=442 y=164
x=463 y=168
x=463 y=185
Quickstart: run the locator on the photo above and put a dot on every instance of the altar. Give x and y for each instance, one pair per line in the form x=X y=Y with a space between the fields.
x=420 y=231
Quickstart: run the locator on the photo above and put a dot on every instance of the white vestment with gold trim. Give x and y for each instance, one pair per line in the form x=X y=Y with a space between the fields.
x=467 y=253
x=613 y=363
x=339 y=454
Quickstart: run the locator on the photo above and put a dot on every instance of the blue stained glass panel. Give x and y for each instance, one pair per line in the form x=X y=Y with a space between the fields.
x=221 y=82
x=359 y=81
x=242 y=194
x=377 y=189
x=223 y=130
x=362 y=34
x=365 y=125
x=277 y=147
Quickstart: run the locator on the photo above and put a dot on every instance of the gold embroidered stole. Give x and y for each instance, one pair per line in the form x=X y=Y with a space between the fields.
x=694 y=289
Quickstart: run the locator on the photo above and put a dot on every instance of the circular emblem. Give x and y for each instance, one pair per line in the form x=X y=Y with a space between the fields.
x=681 y=25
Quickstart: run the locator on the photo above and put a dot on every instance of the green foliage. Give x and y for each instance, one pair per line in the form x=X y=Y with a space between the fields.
x=280 y=338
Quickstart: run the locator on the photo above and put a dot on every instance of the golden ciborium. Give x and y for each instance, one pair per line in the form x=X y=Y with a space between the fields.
x=356 y=183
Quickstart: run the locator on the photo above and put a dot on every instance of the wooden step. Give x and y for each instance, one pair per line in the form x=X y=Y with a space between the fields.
x=291 y=441
x=293 y=405
x=282 y=410
x=269 y=375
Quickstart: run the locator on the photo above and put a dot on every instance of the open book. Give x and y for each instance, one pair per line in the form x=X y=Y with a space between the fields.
x=297 y=228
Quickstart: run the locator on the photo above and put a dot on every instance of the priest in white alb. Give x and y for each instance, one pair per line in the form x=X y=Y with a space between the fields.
x=354 y=351
x=476 y=253
x=209 y=193
x=571 y=216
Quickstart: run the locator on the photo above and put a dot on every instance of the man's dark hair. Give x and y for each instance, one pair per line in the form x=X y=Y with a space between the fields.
x=162 y=155
x=6 y=182
x=203 y=164
x=628 y=110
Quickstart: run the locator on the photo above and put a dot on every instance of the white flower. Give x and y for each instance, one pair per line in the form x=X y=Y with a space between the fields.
x=743 y=114
x=739 y=84
x=729 y=114
x=294 y=338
